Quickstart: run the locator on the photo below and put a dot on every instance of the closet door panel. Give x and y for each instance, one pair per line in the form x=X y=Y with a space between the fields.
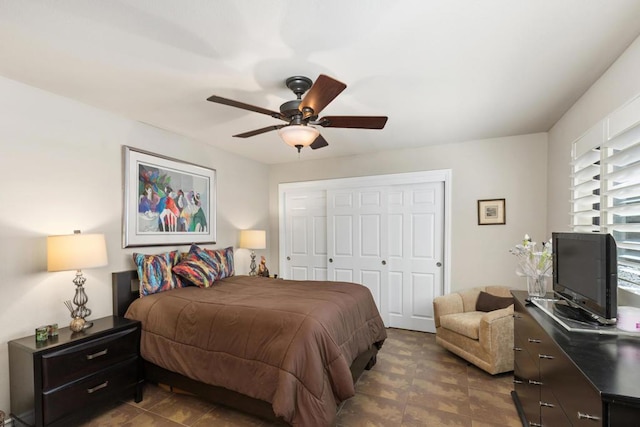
x=357 y=239
x=305 y=242
x=415 y=253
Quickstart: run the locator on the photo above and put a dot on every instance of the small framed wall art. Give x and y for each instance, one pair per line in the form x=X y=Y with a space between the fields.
x=492 y=212
x=167 y=201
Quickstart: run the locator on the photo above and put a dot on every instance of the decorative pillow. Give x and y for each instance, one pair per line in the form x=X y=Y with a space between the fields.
x=223 y=258
x=193 y=268
x=154 y=272
x=489 y=302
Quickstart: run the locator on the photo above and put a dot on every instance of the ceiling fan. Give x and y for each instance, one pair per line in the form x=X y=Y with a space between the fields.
x=301 y=114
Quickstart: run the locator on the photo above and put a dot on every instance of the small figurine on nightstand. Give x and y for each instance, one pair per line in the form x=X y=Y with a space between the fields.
x=262 y=268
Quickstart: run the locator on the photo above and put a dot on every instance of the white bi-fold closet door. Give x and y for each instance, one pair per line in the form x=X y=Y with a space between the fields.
x=387 y=234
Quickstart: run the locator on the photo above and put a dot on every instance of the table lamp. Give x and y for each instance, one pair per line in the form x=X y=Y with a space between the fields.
x=76 y=252
x=253 y=239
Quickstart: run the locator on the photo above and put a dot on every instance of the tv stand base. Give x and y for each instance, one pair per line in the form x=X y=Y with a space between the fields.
x=548 y=306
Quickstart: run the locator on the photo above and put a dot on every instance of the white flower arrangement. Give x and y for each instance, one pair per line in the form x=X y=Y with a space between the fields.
x=531 y=262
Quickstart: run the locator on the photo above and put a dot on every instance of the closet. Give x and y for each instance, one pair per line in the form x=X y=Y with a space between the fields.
x=387 y=232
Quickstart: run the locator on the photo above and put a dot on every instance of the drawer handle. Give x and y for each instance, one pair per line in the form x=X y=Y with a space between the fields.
x=517 y=382
x=517 y=316
x=532 y=424
x=582 y=416
x=98 y=354
x=536 y=382
x=533 y=340
x=98 y=387
x=547 y=405
x=545 y=356
x=517 y=349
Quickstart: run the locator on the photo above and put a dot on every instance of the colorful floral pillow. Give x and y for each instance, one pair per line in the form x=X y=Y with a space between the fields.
x=194 y=269
x=223 y=258
x=155 y=274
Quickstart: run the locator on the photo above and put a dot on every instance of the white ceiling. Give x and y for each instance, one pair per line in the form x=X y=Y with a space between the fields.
x=442 y=70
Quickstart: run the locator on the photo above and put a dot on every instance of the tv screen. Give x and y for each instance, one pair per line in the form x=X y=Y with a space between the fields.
x=585 y=272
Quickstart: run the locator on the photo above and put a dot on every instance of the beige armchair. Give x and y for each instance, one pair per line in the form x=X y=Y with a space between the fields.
x=482 y=338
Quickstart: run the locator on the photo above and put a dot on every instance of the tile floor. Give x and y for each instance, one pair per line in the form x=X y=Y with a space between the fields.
x=414 y=383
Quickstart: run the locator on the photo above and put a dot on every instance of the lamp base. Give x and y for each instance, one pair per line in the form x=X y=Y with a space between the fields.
x=80 y=299
x=253 y=266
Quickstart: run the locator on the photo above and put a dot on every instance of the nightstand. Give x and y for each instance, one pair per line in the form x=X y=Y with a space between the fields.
x=59 y=380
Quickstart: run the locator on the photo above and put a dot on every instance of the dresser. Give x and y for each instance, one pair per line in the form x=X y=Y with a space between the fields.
x=55 y=382
x=564 y=378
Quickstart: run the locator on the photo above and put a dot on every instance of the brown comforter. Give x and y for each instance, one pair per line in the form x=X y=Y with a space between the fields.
x=289 y=343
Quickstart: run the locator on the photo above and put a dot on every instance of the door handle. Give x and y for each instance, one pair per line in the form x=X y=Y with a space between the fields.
x=98 y=354
x=98 y=387
x=438 y=264
x=582 y=416
x=384 y=262
x=330 y=259
x=288 y=258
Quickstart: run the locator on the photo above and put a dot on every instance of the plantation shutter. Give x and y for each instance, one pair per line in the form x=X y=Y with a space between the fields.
x=585 y=181
x=621 y=188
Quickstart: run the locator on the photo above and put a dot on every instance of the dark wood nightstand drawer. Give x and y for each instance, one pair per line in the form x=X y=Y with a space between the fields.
x=109 y=383
x=61 y=367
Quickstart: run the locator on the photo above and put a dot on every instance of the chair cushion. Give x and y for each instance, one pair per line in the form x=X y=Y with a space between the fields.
x=466 y=324
x=487 y=302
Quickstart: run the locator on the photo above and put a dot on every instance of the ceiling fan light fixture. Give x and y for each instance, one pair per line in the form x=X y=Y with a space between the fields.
x=298 y=136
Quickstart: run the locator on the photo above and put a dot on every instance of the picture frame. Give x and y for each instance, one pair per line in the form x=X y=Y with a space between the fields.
x=167 y=201
x=492 y=212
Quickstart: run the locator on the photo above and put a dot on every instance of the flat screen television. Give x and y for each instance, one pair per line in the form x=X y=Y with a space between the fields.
x=585 y=273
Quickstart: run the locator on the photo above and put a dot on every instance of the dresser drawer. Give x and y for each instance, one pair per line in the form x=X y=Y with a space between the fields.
x=77 y=396
x=551 y=413
x=525 y=378
x=72 y=363
x=581 y=402
x=527 y=334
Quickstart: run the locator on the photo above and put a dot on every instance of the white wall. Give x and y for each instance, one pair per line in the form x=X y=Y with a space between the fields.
x=513 y=168
x=62 y=168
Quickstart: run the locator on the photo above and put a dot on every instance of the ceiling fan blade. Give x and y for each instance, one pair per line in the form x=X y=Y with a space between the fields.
x=323 y=91
x=258 y=131
x=358 y=122
x=319 y=143
x=242 y=105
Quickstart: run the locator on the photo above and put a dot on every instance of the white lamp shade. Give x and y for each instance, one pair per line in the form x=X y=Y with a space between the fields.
x=76 y=251
x=253 y=239
x=298 y=135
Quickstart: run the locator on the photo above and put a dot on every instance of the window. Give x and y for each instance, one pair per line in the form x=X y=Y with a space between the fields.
x=605 y=191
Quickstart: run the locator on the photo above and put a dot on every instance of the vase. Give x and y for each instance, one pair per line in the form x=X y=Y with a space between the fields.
x=537 y=286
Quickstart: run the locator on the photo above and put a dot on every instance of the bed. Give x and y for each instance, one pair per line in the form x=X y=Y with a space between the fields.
x=287 y=351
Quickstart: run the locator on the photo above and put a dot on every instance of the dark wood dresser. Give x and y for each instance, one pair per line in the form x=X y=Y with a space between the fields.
x=57 y=381
x=567 y=378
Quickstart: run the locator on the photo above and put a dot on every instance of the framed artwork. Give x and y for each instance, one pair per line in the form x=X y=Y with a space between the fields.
x=167 y=201
x=492 y=212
